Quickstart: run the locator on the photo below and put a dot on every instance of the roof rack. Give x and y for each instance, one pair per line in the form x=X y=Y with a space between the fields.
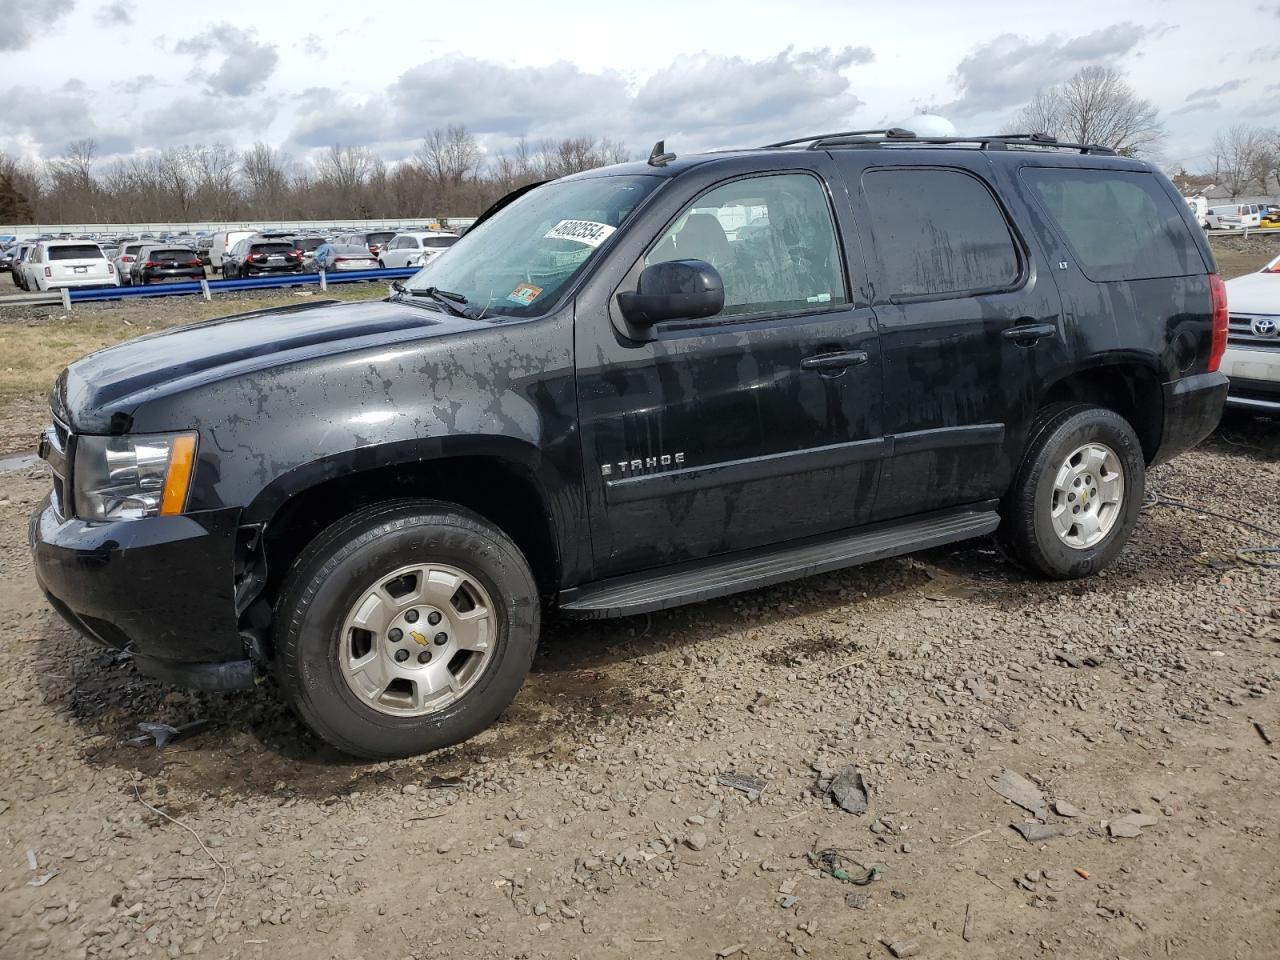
x=892 y=132
x=896 y=136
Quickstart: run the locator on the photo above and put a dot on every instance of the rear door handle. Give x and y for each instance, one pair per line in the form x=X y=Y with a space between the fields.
x=1025 y=334
x=834 y=361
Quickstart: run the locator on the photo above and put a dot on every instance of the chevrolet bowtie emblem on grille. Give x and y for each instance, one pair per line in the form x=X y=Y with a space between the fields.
x=1264 y=327
x=663 y=461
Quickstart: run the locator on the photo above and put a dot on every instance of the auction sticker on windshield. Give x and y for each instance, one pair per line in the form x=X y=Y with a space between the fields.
x=582 y=231
x=524 y=294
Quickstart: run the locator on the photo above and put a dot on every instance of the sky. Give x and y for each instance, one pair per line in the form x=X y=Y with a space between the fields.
x=304 y=75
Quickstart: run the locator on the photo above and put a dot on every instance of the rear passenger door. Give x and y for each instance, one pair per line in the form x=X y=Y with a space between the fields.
x=969 y=322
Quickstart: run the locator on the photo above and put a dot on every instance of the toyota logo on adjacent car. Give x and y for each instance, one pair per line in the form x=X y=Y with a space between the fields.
x=1264 y=327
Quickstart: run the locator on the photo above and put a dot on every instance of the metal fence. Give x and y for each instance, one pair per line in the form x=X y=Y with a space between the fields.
x=206 y=288
x=209 y=226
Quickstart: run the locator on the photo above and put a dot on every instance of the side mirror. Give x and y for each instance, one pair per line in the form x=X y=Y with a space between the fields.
x=674 y=290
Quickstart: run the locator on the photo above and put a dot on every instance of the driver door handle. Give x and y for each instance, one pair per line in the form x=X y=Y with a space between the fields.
x=834 y=361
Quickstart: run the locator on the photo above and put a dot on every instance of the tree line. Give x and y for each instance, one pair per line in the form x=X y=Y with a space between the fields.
x=447 y=175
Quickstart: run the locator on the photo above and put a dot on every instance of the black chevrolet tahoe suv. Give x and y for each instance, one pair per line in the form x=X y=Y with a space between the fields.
x=628 y=389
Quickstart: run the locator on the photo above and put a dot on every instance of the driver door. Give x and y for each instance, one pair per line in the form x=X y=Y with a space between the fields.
x=731 y=432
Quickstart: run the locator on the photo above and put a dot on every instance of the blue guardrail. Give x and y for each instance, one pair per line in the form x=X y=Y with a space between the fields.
x=249 y=283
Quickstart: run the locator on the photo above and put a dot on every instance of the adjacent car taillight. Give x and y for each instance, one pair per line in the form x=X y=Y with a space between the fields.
x=48 y=271
x=1218 y=300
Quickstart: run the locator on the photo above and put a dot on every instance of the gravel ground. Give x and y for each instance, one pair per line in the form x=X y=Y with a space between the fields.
x=592 y=820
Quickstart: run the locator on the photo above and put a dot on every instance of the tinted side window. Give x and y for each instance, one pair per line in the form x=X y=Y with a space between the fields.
x=1119 y=224
x=938 y=233
x=771 y=238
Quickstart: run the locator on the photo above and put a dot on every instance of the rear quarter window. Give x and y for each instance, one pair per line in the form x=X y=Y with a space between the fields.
x=1119 y=224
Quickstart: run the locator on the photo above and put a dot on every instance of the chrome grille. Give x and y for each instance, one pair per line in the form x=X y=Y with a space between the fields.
x=54 y=447
x=1240 y=330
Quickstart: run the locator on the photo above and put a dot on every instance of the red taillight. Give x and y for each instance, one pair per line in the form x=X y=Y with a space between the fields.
x=150 y=265
x=258 y=257
x=296 y=254
x=373 y=248
x=126 y=259
x=194 y=263
x=1218 y=300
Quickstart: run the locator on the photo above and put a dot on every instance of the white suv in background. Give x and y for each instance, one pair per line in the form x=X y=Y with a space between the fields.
x=415 y=249
x=1252 y=360
x=55 y=264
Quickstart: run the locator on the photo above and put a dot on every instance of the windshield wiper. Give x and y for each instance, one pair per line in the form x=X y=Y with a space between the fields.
x=453 y=302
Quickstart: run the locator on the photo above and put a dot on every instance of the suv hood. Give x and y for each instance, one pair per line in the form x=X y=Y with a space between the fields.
x=98 y=393
x=1254 y=293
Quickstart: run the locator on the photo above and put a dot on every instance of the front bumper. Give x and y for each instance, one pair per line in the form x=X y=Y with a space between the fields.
x=162 y=587
x=1255 y=379
x=1192 y=409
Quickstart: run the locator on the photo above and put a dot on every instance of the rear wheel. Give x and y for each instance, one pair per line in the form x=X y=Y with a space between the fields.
x=406 y=627
x=1076 y=497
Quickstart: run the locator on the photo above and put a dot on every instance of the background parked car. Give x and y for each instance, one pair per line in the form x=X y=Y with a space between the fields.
x=373 y=240
x=6 y=257
x=253 y=256
x=125 y=259
x=415 y=248
x=55 y=264
x=308 y=246
x=1252 y=358
x=222 y=242
x=166 y=263
x=345 y=256
x=20 y=254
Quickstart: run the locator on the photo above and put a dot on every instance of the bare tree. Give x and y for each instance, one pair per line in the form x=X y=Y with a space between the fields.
x=449 y=157
x=1239 y=156
x=1097 y=105
x=265 y=173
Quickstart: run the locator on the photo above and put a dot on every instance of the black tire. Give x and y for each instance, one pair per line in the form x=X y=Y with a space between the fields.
x=1026 y=525
x=329 y=576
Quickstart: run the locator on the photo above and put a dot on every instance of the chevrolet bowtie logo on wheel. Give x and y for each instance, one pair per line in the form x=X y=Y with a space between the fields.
x=1264 y=327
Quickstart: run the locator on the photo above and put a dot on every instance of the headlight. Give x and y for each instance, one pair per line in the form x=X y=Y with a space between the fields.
x=128 y=478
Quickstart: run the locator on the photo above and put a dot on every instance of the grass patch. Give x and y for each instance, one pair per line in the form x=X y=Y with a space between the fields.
x=34 y=348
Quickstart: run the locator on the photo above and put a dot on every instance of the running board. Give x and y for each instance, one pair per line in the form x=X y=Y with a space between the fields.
x=719 y=576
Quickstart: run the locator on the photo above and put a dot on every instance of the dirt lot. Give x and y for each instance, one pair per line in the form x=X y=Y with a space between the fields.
x=592 y=820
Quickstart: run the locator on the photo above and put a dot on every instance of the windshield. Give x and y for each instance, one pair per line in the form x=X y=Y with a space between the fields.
x=516 y=263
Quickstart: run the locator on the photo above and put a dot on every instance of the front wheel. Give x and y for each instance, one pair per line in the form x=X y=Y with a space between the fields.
x=406 y=627
x=1076 y=497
